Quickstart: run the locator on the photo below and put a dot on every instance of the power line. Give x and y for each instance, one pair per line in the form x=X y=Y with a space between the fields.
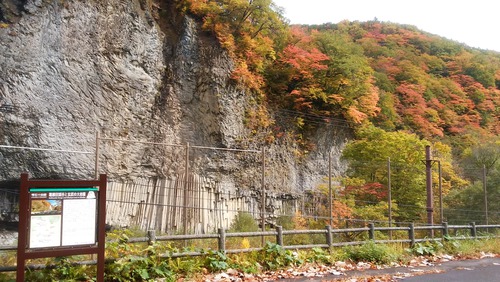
x=313 y=118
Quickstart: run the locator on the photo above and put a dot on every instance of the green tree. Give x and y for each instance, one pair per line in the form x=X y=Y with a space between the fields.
x=482 y=155
x=468 y=205
x=368 y=155
x=348 y=81
x=244 y=222
x=481 y=72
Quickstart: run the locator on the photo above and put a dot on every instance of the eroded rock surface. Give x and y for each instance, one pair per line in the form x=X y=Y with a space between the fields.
x=134 y=70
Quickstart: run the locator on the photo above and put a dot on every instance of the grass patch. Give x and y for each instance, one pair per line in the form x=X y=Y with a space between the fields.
x=371 y=252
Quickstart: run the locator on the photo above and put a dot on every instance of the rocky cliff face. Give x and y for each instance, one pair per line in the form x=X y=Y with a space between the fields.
x=130 y=70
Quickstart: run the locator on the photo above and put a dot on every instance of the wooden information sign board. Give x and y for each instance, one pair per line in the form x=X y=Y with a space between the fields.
x=61 y=218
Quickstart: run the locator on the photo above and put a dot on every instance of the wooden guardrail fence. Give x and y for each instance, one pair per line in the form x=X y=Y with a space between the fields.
x=328 y=232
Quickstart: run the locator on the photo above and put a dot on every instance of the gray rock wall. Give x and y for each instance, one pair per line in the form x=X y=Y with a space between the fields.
x=133 y=70
x=71 y=70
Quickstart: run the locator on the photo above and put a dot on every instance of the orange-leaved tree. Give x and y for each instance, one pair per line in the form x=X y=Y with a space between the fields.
x=292 y=79
x=247 y=29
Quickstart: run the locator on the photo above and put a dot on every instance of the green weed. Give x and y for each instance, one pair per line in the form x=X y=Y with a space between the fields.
x=429 y=248
x=275 y=256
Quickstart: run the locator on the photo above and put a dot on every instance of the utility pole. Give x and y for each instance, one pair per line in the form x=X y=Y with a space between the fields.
x=428 y=172
x=330 y=193
x=389 y=195
x=441 y=214
x=485 y=195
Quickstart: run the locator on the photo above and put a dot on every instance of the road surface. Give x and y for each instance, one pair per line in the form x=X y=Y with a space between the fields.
x=474 y=270
x=483 y=270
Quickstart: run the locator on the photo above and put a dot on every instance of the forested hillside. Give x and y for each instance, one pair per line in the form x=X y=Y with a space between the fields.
x=395 y=76
x=399 y=88
x=362 y=97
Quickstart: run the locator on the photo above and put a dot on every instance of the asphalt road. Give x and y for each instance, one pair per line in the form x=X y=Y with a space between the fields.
x=477 y=270
x=483 y=270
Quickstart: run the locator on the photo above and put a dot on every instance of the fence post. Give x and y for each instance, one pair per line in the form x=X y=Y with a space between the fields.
x=329 y=239
x=96 y=168
x=389 y=195
x=279 y=235
x=371 y=232
x=445 y=230
x=185 y=194
x=330 y=189
x=473 y=229
x=411 y=234
x=151 y=237
x=222 y=240
x=263 y=196
x=151 y=240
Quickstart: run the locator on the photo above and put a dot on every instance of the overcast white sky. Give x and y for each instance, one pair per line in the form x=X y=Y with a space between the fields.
x=475 y=23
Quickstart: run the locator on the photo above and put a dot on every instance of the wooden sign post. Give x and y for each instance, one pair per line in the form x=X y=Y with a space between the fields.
x=61 y=218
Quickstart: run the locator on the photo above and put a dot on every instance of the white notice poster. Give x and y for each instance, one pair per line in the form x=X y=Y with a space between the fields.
x=79 y=222
x=45 y=231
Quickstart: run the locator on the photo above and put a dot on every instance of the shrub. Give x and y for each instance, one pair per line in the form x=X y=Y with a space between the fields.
x=369 y=252
x=62 y=270
x=244 y=222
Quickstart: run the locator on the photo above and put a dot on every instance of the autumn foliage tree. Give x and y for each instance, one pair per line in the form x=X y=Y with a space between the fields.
x=394 y=84
x=349 y=79
x=368 y=156
x=247 y=29
x=293 y=78
x=395 y=76
x=316 y=73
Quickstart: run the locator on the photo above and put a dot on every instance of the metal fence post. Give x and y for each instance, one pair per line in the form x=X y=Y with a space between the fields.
x=222 y=240
x=185 y=193
x=330 y=189
x=371 y=232
x=279 y=235
x=263 y=196
x=96 y=167
x=389 y=195
x=329 y=239
x=411 y=234
x=485 y=195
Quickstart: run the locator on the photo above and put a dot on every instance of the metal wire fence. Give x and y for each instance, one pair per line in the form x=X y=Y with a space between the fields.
x=192 y=190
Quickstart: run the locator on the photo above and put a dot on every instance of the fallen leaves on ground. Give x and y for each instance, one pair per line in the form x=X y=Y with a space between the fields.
x=338 y=271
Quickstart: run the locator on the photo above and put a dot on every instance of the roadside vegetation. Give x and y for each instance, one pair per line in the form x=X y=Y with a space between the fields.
x=158 y=262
